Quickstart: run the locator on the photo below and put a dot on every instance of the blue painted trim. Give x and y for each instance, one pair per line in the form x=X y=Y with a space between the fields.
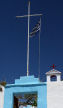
x=22 y=85
x=26 y=86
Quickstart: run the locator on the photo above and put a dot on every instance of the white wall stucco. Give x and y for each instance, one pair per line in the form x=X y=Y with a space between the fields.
x=1 y=97
x=55 y=94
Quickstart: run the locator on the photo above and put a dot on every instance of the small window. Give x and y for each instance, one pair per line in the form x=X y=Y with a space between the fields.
x=53 y=78
x=0 y=89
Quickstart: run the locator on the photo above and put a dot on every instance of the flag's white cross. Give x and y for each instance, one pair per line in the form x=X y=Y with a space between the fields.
x=24 y=16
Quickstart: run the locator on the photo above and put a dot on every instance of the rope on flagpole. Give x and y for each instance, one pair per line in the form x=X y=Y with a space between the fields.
x=39 y=50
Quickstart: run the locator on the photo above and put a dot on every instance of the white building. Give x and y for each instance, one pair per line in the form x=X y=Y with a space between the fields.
x=1 y=96
x=54 y=90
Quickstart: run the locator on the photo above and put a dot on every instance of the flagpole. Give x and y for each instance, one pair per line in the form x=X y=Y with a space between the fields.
x=24 y=16
x=28 y=39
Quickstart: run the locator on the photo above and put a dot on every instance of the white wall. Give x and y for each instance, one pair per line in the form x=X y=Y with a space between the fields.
x=2 y=97
x=55 y=94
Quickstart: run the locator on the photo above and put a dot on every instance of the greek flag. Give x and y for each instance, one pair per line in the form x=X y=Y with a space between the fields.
x=35 y=29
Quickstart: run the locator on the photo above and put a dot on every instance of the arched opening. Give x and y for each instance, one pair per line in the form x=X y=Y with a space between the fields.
x=53 y=78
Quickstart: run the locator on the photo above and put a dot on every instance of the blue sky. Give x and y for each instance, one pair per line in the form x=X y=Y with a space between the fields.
x=13 y=38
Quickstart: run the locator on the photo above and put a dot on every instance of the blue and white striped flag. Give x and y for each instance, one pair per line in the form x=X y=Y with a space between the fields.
x=35 y=29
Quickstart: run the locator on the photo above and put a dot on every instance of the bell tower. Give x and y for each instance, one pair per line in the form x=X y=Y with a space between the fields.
x=53 y=74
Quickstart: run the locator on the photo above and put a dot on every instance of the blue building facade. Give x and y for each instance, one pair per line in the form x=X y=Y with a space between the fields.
x=26 y=84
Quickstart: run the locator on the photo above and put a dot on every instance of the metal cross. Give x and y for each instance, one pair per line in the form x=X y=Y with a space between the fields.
x=24 y=16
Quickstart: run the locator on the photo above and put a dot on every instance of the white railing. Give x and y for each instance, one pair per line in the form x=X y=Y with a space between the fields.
x=28 y=106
